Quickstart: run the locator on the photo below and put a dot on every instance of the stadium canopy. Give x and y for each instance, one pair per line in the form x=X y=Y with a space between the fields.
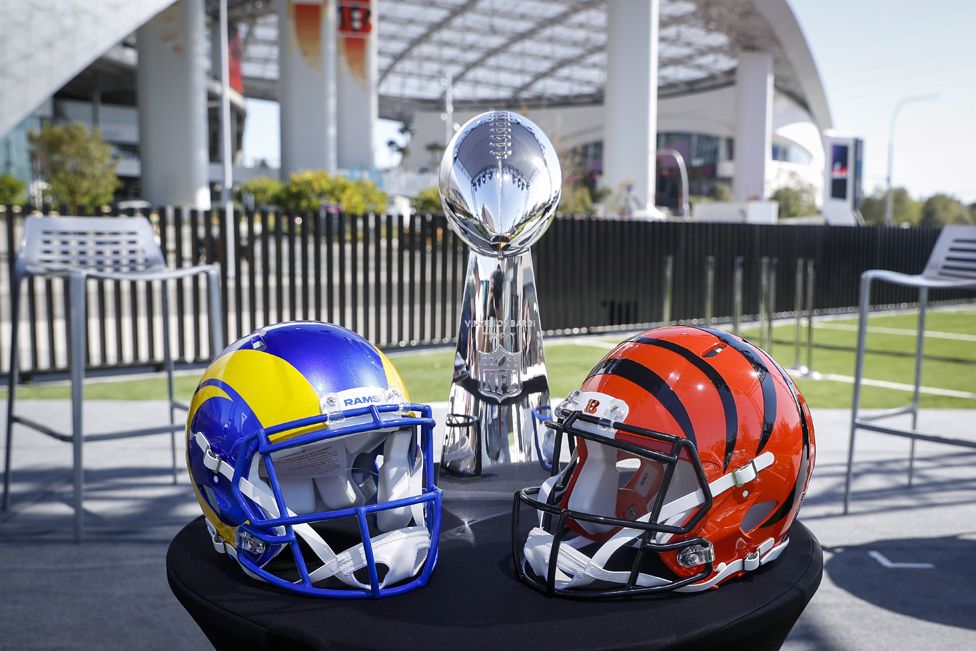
x=546 y=52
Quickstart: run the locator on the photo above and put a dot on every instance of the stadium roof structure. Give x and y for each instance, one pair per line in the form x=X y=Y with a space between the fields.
x=547 y=52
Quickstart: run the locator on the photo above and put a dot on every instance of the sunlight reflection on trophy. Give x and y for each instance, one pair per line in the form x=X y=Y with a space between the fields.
x=499 y=184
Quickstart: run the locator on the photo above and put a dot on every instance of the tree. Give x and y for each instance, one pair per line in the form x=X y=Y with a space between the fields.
x=580 y=193
x=264 y=191
x=402 y=148
x=795 y=198
x=11 y=190
x=904 y=209
x=427 y=200
x=77 y=164
x=435 y=150
x=941 y=209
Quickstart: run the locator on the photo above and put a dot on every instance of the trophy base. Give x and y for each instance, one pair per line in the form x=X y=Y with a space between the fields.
x=499 y=389
x=480 y=434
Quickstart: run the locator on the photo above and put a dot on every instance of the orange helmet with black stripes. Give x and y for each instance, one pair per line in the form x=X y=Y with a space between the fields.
x=690 y=452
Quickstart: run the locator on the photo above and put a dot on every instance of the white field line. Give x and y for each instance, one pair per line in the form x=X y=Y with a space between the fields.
x=898 y=386
x=834 y=377
x=883 y=330
x=593 y=343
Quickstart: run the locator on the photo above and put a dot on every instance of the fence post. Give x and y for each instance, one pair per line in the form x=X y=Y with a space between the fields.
x=763 y=298
x=709 y=290
x=668 y=288
x=809 y=297
x=737 y=294
x=798 y=312
x=771 y=303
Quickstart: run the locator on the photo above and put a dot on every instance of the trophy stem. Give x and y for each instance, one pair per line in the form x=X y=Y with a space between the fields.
x=499 y=388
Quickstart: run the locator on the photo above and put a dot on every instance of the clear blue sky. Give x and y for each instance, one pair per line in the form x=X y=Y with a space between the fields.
x=870 y=54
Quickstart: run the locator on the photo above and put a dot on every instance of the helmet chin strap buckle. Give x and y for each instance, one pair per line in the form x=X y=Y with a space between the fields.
x=696 y=555
x=745 y=474
x=752 y=561
x=210 y=460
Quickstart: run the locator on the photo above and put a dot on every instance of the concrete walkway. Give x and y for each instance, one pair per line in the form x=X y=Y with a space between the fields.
x=899 y=570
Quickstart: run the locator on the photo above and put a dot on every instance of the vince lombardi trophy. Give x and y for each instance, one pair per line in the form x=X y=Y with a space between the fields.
x=500 y=185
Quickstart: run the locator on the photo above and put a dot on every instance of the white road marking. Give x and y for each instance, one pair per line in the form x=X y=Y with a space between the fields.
x=891 y=565
x=898 y=386
x=884 y=330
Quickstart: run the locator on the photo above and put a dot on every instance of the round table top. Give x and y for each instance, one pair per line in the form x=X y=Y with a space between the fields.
x=473 y=600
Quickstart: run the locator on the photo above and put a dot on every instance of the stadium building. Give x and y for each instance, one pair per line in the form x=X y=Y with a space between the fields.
x=730 y=86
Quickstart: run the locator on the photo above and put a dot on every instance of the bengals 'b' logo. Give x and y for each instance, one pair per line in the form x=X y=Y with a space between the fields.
x=592 y=406
x=355 y=18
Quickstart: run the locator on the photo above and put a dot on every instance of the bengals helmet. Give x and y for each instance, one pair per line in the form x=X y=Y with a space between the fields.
x=691 y=450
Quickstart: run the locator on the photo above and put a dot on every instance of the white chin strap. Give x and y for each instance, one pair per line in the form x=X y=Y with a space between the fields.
x=574 y=569
x=402 y=551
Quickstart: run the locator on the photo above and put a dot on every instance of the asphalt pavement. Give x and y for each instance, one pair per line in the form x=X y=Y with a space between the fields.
x=899 y=570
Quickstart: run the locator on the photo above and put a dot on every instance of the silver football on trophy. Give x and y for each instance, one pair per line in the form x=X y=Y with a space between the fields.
x=500 y=183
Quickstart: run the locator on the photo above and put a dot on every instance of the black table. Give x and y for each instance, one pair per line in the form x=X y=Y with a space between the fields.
x=474 y=602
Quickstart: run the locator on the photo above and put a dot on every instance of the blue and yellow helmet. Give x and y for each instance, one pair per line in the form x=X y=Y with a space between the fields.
x=301 y=437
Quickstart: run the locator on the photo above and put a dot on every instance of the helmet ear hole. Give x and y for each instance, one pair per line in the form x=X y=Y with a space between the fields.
x=362 y=574
x=757 y=514
x=299 y=494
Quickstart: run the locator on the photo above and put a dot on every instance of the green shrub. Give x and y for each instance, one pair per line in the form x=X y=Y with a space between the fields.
x=310 y=190
x=11 y=190
x=721 y=191
x=796 y=199
x=362 y=197
x=263 y=190
x=576 y=199
x=427 y=200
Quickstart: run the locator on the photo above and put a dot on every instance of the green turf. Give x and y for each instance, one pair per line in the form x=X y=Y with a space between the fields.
x=115 y=389
x=949 y=365
x=427 y=375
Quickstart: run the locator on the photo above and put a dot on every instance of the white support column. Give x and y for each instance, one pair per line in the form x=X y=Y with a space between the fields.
x=630 y=100
x=307 y=84
x=754 y=124
x=172 y=97
x=356 y=83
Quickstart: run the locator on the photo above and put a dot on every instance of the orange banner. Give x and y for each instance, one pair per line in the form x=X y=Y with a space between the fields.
x=306 y=19
x=355 y=19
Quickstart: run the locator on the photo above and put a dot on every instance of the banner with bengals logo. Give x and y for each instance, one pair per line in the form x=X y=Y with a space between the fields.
x=355 y=18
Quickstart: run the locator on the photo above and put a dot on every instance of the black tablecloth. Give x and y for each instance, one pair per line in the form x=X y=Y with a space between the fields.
x=474 y=602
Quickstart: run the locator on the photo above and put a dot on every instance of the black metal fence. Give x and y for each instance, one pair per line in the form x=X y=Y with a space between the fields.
x=398 y=281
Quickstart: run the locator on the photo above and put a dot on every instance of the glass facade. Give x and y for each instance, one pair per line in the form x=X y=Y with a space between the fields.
x=701 y=152
x=15 y=156
x=791 y=154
